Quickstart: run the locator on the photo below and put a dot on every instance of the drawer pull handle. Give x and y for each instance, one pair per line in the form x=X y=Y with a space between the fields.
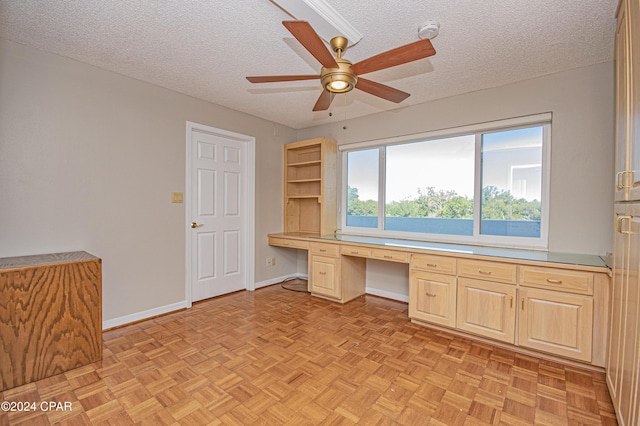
x=511 y=302
x=355 y=252
x=554 y=281
x=523 y=303
x=387 y=256
x=484 y=272
x=431 y=294
x=323 y=250
x=432 y=265
x=322 y=273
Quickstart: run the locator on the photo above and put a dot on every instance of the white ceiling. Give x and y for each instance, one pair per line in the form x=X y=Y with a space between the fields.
x=205 y=48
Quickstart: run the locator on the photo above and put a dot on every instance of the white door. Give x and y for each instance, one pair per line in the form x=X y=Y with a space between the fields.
x=218 y=210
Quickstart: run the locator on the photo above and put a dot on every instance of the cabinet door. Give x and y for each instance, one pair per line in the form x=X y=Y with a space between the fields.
x=432 y=298
x=629 y=356
x=623 y=163
x=487 y=309
x=325 y=277
x=557 y=323
x=617 y=305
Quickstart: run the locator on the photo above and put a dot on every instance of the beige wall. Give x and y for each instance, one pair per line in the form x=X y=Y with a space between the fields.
x=88 y=161
x=582 y=151
x=89 y=158
x=582 y=103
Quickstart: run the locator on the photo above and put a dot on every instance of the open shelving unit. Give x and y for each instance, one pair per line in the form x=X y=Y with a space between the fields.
x=310 y=186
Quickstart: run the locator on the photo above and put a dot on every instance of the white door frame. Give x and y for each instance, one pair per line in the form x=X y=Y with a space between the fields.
x=249 y=223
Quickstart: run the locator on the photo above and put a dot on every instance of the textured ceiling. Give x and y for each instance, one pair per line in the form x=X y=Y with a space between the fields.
x=205 y=48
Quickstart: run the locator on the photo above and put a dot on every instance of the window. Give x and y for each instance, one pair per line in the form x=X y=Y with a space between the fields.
x=483 y=184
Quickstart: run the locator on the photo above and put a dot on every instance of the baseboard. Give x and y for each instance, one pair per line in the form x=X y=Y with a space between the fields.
x=277 y=280
x=139 y=316
x=387 y=294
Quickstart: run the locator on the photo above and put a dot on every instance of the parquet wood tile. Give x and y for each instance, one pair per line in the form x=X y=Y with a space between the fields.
x=276 y=357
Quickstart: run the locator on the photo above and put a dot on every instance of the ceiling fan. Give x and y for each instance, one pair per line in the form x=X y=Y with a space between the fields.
x=338 y=75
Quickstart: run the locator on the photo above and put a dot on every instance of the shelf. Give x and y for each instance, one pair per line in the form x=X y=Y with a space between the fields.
x=304 y=163
x=304 y=196
x=304 y=180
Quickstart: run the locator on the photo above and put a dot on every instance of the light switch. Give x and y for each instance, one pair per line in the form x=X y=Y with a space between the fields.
x=176 y=197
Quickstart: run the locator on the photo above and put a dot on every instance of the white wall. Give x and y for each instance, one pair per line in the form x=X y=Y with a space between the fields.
x=88 y=161
x=582 y=148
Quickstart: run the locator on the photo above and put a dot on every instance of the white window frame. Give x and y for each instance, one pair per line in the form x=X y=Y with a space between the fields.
x=540 y=243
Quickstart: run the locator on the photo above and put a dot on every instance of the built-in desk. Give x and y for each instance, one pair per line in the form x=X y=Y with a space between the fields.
x=555 y=303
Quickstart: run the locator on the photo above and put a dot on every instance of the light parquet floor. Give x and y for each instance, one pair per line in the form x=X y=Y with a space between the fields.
x=280 y=357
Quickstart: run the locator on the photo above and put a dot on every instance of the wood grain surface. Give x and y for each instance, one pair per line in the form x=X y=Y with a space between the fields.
x=50 y=317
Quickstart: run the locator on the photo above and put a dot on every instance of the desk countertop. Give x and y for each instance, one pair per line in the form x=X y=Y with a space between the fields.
x=588 y=260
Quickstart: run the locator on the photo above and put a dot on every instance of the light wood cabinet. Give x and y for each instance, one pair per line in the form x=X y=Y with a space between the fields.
x=432 y=298
x=559 y=309
x=623 y=360
x=627 y=60
x=623 y=363
x=557 y=323
x=324 y=276
x=310 y=186
x=487 y=309
x=336 y=277
x=433 y=289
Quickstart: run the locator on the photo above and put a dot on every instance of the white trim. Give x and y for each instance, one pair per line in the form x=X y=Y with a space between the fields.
x=249 y=225
x=139 y=316
x=324 y=19
x=441 y=133
x=387 y=294
x=277 y=280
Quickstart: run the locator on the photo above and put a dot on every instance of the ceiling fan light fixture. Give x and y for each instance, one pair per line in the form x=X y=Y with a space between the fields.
x=338 y=82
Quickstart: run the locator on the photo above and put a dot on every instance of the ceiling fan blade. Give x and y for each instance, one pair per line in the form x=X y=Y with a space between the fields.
x=401 y=55
x=381 y=90
x=311 y=41
x=323 y=102
x=276 y=78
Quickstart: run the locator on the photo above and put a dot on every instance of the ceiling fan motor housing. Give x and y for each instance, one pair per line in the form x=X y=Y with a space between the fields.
x=339 y=80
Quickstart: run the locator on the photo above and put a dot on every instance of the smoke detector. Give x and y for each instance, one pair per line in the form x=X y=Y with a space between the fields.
x=429 y=29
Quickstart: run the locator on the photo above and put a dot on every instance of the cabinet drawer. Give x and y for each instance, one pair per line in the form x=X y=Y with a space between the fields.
x=285 y=242
x=355 y=251
x=557 y=279
x=490 y=271
x=390 y=255
x=332 y=250
x=439 y=264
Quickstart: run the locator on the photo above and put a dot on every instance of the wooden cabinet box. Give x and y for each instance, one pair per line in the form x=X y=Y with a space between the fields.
x=50 y=315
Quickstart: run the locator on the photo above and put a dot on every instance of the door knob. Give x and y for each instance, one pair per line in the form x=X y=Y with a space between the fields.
x=195 y=225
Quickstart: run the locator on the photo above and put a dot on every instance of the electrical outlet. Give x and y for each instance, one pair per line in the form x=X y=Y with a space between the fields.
x=271 y=261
